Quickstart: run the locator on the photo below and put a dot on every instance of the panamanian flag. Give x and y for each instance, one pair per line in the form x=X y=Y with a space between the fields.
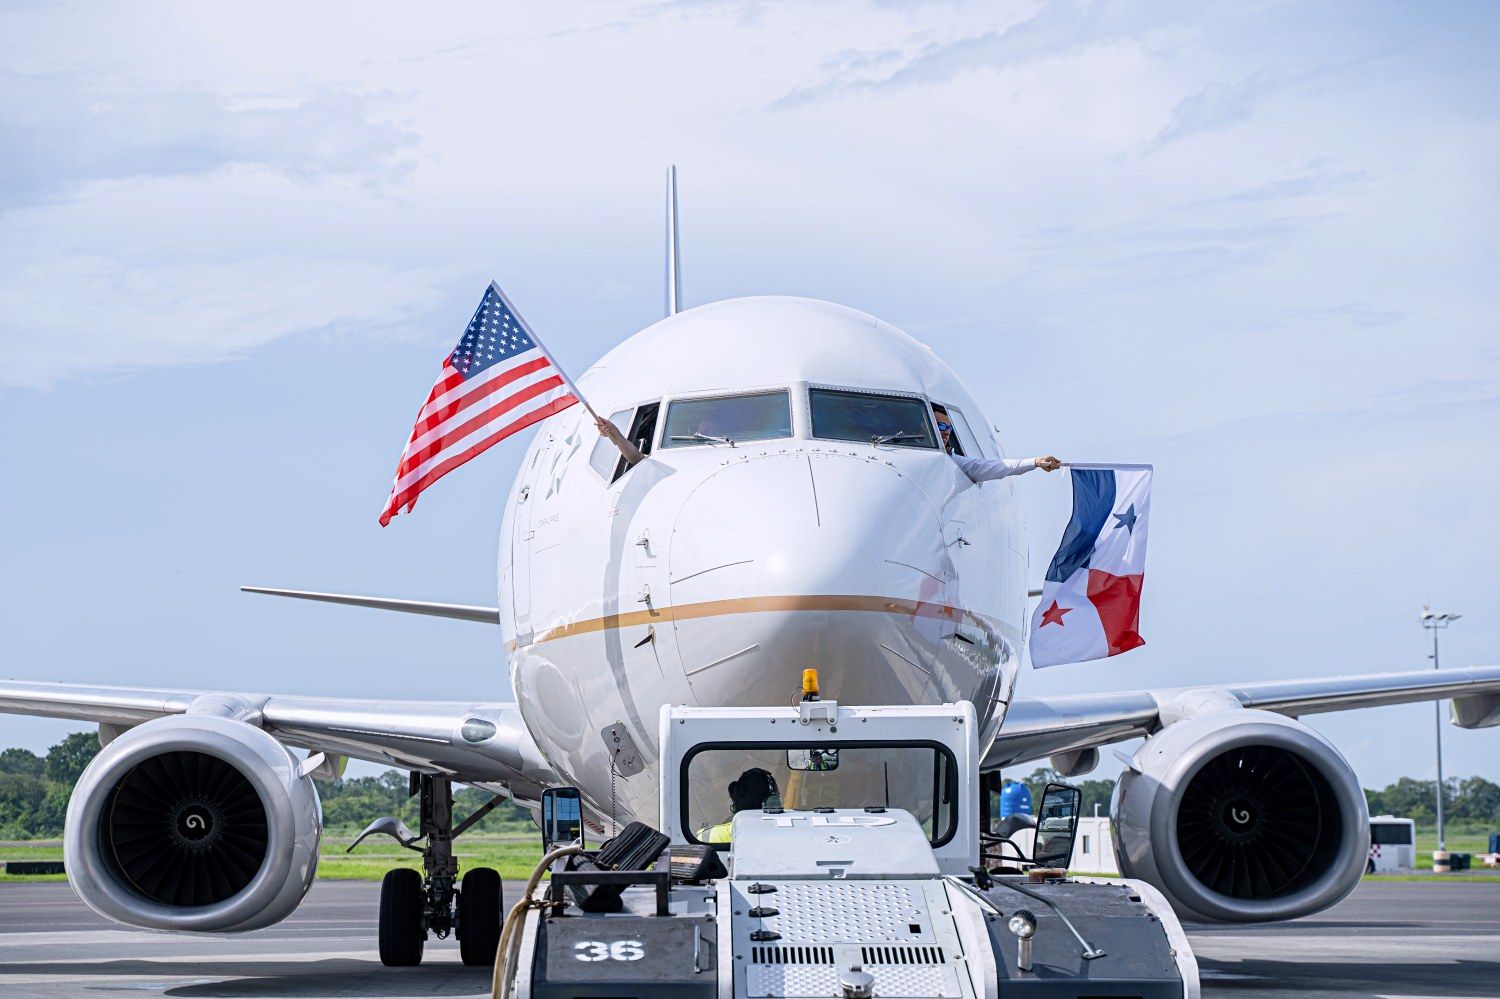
x=1091 y=600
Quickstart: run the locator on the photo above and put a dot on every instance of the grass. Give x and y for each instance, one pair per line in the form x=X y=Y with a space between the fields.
x=514 y=855
x=1456 y=842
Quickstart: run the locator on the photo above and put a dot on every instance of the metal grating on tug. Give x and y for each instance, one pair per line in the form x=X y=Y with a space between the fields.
x=899 y=933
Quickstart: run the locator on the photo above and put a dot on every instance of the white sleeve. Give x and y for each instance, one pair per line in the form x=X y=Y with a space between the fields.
x=985 y=469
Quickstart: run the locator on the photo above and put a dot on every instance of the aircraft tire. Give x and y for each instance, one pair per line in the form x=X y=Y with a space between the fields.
x=480 y=901
x=402 y=934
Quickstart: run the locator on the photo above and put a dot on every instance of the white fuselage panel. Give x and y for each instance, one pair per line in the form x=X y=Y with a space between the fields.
x=711 y=575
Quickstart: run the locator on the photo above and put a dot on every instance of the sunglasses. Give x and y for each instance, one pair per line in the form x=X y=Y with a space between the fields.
x=945 y=427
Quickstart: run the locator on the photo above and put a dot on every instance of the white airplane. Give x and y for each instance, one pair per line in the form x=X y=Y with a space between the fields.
x=795 y=510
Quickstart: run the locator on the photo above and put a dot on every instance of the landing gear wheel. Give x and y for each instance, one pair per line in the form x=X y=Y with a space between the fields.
x=402 y=934
x=479 y=904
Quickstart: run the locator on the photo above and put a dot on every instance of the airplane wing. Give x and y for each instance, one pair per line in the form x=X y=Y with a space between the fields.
x=474 y=743
x=1038 y=727
x=458 y=612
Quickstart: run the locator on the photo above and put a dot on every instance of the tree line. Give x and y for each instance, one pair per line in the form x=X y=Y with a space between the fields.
x=34 y=794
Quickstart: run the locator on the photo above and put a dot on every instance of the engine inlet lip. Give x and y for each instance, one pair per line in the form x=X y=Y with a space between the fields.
x=1268 y=729
x=101 y=886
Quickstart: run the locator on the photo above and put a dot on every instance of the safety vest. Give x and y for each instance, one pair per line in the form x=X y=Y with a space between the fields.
x=716 y=834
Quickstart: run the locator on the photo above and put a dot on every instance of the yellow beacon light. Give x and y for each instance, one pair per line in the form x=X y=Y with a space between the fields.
x=809 y=685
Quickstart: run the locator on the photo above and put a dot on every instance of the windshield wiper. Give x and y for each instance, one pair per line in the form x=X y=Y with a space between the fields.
x=893 y=438
x=703 y=437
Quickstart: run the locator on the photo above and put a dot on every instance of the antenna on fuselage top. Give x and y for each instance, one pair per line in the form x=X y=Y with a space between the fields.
x=674 y=260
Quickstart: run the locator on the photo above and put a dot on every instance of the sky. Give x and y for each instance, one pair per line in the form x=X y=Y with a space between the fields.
x=1254 y=244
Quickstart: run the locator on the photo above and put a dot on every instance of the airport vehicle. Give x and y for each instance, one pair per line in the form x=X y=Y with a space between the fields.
x=794 y=510
x=858 y=876
x=1393 y=844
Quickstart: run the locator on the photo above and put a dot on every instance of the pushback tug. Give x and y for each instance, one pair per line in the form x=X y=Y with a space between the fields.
x=865 y=873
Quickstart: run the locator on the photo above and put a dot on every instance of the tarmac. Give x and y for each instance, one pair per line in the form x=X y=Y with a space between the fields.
x=1388 y=939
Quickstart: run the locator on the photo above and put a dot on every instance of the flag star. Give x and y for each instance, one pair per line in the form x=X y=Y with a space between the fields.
x=1054 y=615
x=1126 y=520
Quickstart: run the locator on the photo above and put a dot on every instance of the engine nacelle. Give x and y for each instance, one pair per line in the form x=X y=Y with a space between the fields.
x=193 y=822
x=1242 y=816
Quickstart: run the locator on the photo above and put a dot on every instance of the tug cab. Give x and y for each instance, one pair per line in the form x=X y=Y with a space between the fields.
x=859 y=875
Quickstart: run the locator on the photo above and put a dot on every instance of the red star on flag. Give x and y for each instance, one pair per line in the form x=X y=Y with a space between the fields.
x=1054 y=615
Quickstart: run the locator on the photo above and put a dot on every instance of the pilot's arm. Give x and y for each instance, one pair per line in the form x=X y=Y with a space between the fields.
x=633 y=455
x=986 y=469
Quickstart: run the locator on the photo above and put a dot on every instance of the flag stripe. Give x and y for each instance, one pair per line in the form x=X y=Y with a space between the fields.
x=408 y=497
x=464 y=393
x=440 y=429
x=420 y=461
x=448 y=378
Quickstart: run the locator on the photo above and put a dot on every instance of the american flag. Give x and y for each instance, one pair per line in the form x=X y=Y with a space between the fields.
x=498 y=380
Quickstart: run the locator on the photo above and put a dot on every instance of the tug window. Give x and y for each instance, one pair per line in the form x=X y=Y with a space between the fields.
x=920 y=778
x=893 y=420
x=727 y=419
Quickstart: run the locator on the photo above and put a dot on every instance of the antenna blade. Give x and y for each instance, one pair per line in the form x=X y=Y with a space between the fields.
x=674 y=261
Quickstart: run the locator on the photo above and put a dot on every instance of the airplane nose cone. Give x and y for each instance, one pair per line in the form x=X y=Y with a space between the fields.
x=814 y=558
x=819 y=561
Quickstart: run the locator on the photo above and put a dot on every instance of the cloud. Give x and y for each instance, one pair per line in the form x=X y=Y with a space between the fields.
x=60 y=131
x=1060 y=27
x=1156 y=250
x=1218 y=105
x=1311 y=183
x=87 y=315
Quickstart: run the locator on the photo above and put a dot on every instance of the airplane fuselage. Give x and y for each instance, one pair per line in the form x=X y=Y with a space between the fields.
x=712 y=574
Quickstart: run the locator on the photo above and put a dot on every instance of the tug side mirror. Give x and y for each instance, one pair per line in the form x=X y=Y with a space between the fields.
x=562 y=816
x=1057 y=825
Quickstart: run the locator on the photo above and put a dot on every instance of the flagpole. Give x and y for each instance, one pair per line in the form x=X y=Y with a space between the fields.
x=562 y=373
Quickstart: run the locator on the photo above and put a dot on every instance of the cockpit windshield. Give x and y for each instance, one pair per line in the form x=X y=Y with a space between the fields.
x=720 y=780
x=726 y=419
x=893 y=420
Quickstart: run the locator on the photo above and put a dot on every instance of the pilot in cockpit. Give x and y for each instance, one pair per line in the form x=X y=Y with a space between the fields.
x=981 y=469
x=754 y=789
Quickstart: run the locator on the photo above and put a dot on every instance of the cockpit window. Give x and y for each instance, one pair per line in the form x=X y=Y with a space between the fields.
x=606 y=459
x=719 y=780
x=969 y=442
x=605 y=456
x=728 y=419
x=894 y=420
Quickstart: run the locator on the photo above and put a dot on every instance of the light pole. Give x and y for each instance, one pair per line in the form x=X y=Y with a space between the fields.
x=1434 y=621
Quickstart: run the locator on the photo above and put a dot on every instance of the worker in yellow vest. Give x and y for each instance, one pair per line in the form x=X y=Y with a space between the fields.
x=752 y=790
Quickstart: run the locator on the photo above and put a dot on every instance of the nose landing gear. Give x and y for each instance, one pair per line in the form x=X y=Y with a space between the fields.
x=413 y=905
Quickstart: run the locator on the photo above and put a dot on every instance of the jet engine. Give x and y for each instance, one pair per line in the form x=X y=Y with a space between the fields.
x=1242 y=816
x=193 y=822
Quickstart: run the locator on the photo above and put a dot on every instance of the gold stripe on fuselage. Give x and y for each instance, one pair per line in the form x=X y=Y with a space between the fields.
x=759 y=605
